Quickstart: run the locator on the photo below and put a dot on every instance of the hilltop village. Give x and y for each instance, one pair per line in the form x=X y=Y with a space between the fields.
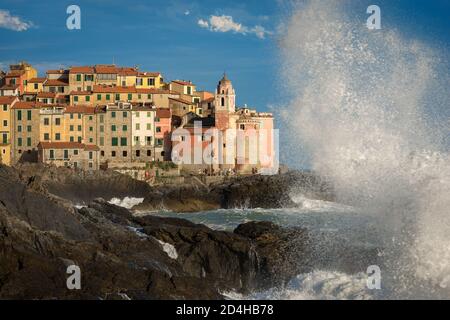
x=106 y=116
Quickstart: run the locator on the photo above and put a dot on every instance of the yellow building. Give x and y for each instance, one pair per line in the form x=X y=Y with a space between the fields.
x=5 y=128
x=35 y=85
x=149 y=80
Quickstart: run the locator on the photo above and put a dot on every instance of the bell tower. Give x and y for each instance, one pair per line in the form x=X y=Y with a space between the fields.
x=225 y=102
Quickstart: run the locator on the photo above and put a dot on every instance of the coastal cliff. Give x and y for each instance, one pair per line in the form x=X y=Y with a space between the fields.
x=122 y=255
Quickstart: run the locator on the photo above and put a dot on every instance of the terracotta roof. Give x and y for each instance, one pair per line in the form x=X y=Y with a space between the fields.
x=67 y=145
x=106 y=69
x=163 y=113
x=10 y=87
x=37 y=80
x=154 y=91
x=181 y=101
x=54 y=82
x=46 y=95
x=60 y=71
x=80 y=109
x=208 y=100
x=127 y=71
x=149 y=74
x=80 y=93
x=85 y=69
x=7 y=99
x=113 y=89
x=183 y=83
x=14 y=73
x=26 y=105
x=27 y=93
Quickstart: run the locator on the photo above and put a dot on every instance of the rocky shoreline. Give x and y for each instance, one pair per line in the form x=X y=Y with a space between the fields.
x=140 y=257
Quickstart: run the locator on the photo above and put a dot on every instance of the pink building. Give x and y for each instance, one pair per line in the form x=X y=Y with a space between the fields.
x=163 y=127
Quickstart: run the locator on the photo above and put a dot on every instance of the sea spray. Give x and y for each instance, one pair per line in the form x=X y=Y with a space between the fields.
x=360 y=108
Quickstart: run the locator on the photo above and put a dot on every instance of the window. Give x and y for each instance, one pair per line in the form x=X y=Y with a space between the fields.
x=157 y=119
x=114 y=142
x=102 y=128
x=5 y=138
x=149 y=153
x=113 y=127
x=125 y=114
x=71 y=116
x=75 y=98
x=130 y=96
x=58 y=121
x=75 y=152
x=91 y=165
x=108 y=97
x=29 y=128
x=138 y=153
x=113 y=154
x=79 y=115
x=91 y=140
x=57 y=136
x=149 y=97
x=149 y=114
x=71 y=127
x=91 y=129
x=149 y=126
x=36 y=86
x=125 y=154
x=46 y=121
x=72 y=138
x=61 y=89
x=52 y=154
x=29 y=115
x=117 y=96
x=102 y=153
x=79 y=139
x=124 y=127
x=222 y=102
x=189 y=90
x=88 y=98
x=151 y=81
x=19 y=128
x=66 y=154
x=102 y=141
x=138 y=126
x=88 y=77
x=159 y=142
x=136 y=139
x=52 y=89
x=158 y=129
x=139 y=81
x=79 y=128
x=123 y=142
x=102 y=118
x=88 y=88
x=90 y=118
x=78 y=77
x=28 y=142
x=5 y=107
x=91 y=155
x=19 y=142
x=46 y=136
x=19 y=115
x=5 y=123
x=99 y=97
x=113 y=114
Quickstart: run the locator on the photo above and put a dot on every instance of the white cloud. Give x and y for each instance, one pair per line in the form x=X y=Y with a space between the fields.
x=15 y=23
x=187 y=12
x=227 y=24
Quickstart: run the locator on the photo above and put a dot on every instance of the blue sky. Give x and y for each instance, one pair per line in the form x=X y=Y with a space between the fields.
x=165 y=36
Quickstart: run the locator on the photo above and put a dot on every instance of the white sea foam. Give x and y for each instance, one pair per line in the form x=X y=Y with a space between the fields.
x=371 y=108
x=169 y=249
x=127 y=202
x=317 y=285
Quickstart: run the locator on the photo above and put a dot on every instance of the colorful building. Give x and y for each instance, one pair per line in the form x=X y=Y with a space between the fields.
x=5 y=128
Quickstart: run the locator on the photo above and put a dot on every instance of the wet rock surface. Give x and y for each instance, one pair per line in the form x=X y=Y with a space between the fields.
x=124 y=256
